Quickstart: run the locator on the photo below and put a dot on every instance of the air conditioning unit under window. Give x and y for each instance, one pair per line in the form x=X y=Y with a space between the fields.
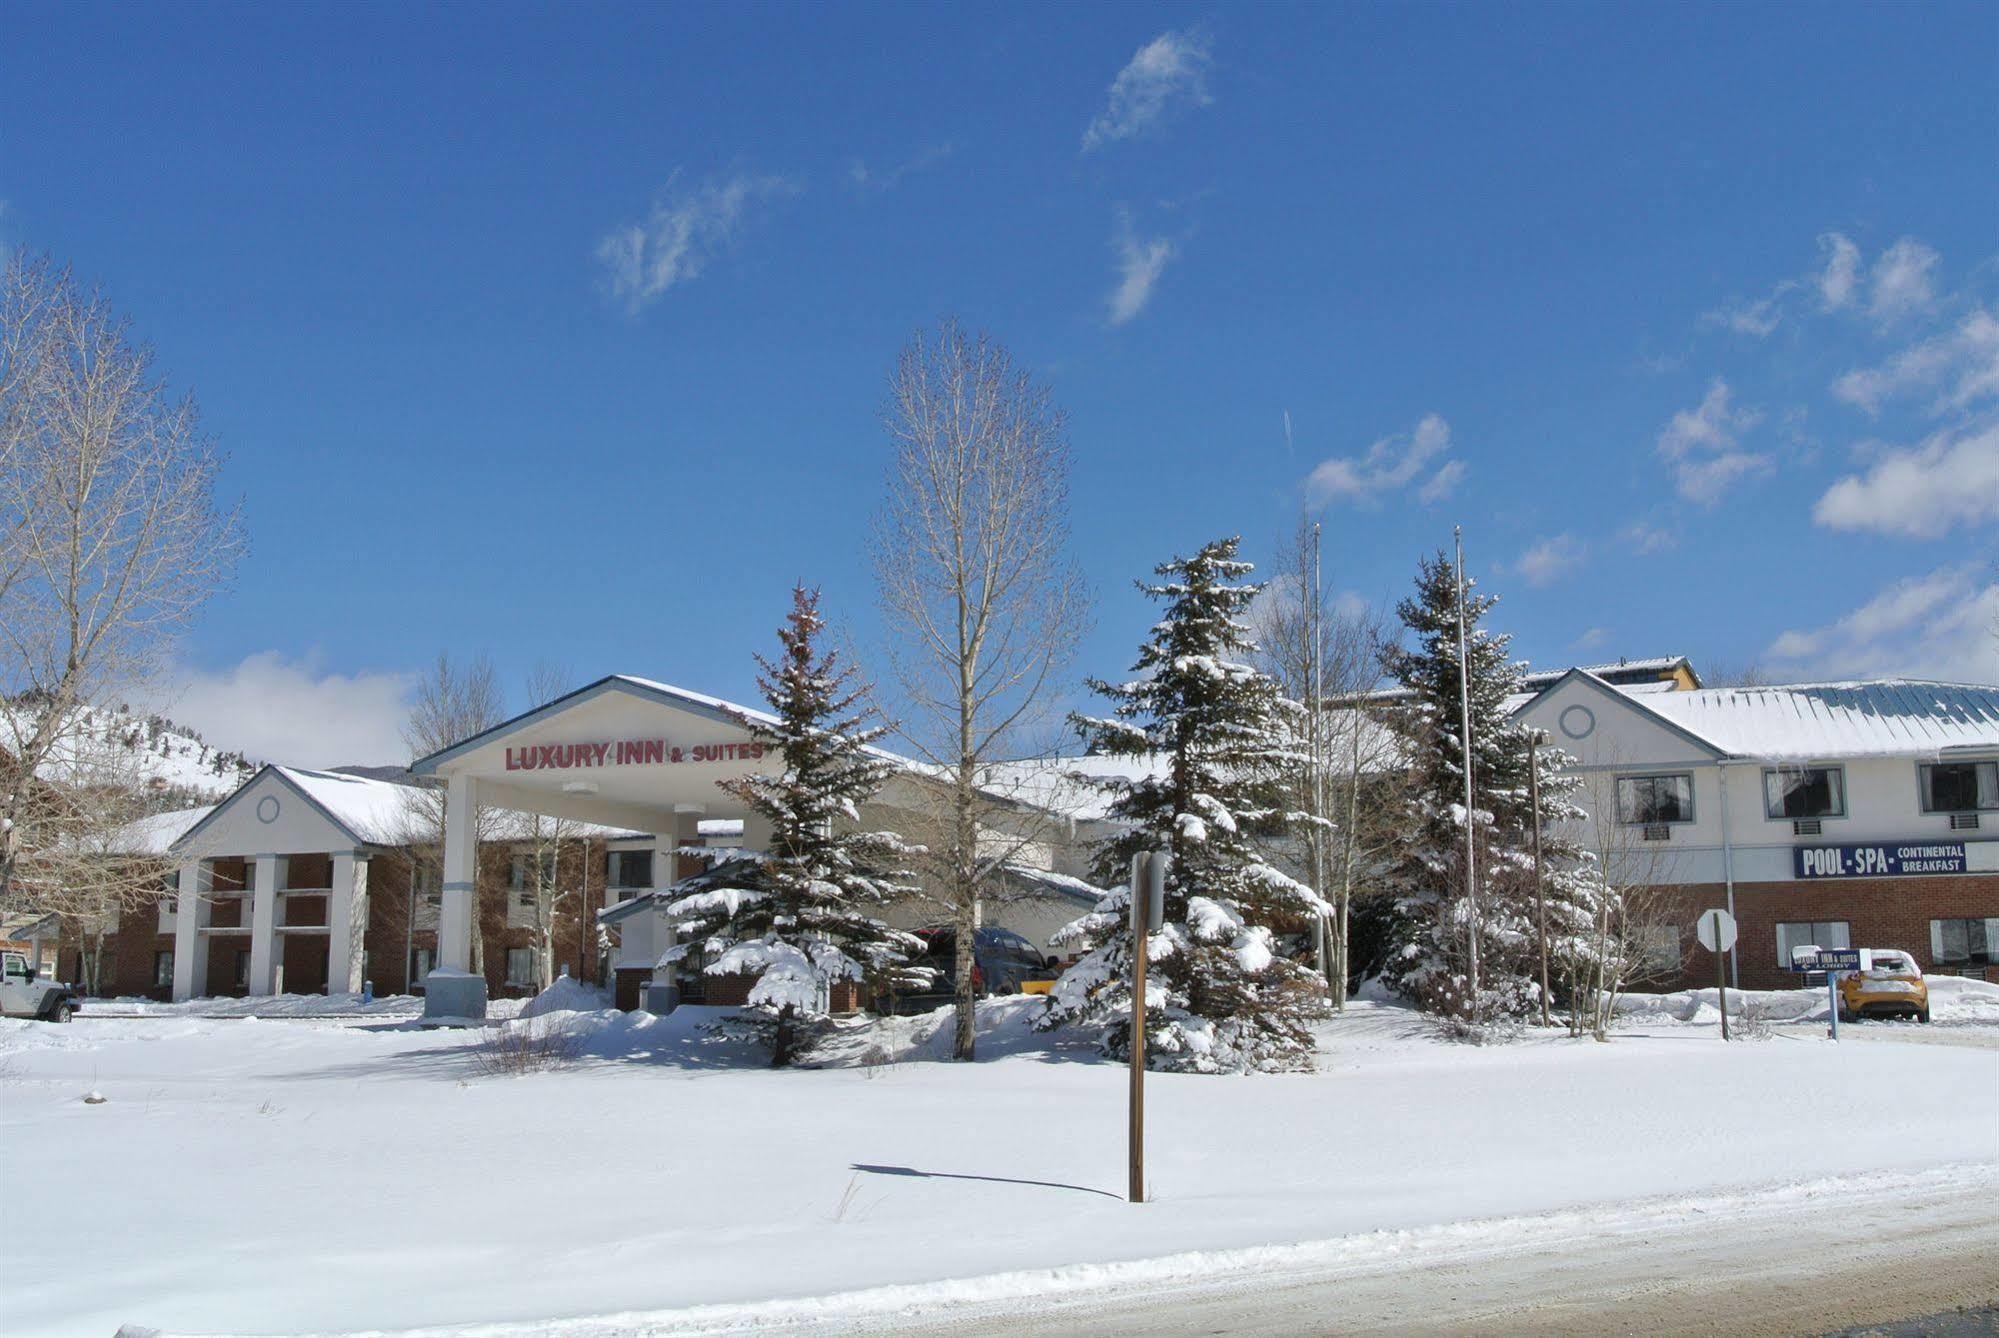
x=1805 y=827
x=1964 y=822
x=1658 y=831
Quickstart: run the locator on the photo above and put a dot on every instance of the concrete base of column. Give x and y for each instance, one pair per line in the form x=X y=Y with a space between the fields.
x=454 y=996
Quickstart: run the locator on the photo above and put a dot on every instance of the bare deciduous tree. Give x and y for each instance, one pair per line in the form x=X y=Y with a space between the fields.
x=1622 y=926
x=110 y=534
x=984 y=605
x=545 y=839
x=88 y=859
x=1325 y=654
x=451 y=704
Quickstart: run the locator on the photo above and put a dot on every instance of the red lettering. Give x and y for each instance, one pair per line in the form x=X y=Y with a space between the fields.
x=676 y=754
x=655 y=751
x=600 y=750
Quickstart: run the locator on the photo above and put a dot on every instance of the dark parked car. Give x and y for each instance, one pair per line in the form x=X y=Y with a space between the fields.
x=1001 y=962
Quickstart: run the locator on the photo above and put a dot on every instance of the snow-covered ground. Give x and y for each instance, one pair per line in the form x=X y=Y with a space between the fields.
x=312 y=1175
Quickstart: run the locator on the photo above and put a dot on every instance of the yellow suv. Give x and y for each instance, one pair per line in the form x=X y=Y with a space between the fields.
x=1888 y=984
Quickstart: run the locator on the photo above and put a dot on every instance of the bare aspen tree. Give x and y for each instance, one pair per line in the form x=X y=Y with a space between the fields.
x=546 y=839
x=1623 y=924
x=110 y=534
x=983 y=605
x=90 y=861
x=451 y=704
x=1327 y=657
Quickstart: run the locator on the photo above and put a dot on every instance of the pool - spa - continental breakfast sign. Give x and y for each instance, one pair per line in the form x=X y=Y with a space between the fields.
x=1892 y=860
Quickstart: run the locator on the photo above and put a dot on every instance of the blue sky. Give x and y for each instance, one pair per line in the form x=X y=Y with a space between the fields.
x=562 y=332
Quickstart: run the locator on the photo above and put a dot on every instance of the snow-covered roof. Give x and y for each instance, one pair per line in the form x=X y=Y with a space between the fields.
x=1061 y=784
x=373 y=811
x=156 y=835
x=1621 y=672
x=1901 y=717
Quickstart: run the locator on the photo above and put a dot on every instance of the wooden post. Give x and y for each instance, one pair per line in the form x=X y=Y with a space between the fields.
x=1140 y=930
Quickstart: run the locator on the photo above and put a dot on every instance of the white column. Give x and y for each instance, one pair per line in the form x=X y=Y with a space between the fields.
x=190 y=914
x=346 y=922
x=461 y=855
x=264 y=925
x=664 y=866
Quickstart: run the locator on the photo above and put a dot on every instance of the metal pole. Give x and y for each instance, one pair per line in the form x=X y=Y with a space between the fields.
x=1721 y=980
x=1832 y=998
x=1464 y=729
x=1318 y=778
x=1540 y=891
x=1140 y=870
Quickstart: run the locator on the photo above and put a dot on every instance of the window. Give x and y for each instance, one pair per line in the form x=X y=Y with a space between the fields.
x=1810 y=934
x=1805 y=792
x=163 y=969
x=520 y=966
x=423 y=882
x=1659 y=949
x=1959 y=787
x=1964 y=942
x=242 y=968
x=14 y=966
x=1652 y=799
x=520 y=879
x=628 y=868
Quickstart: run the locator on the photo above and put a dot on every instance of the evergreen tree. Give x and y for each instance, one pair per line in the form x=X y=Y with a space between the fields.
x=804 y=920
x=1221 y=993
x=1443 y=924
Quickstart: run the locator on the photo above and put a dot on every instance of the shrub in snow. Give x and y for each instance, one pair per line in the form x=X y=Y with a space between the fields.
x=1472 y=950
x=802 y=921
x=1221 y=992
x=526 y=1046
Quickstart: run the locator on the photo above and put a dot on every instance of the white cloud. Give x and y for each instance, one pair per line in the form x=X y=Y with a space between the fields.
x=1590 y=639
x=1960 y=365
x=1390 y=464
x=278 y=710
x=1169 y=71
x=864 y=178
x=1550 y=559
x=1757 y=319
x=1442 y=483
x=686 y=229
x=1649 y=538
x=1933 y=626
x=1140 y=262
x=1904 y=280
x=1703 y=444
x=1840 y=277
x=1922 y=491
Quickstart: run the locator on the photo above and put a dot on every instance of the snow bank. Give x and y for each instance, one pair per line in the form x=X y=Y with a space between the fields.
x=1953 y=1000
x=566 y=995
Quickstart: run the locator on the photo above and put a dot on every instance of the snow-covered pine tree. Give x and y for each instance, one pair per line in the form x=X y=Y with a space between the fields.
x=806 y=921
x=1222 y=995
x=1437 y=917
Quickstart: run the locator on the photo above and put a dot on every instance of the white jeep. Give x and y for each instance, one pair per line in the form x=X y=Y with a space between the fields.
x=24 y=994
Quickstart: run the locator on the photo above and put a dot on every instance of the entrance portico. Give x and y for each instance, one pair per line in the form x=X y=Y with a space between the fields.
x=275 y=871
x=624 y=753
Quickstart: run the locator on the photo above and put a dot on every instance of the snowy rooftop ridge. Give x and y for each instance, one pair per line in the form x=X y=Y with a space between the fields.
x=1896 y=717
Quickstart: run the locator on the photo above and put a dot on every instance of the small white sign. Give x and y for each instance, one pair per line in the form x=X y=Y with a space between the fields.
x=1716 y=930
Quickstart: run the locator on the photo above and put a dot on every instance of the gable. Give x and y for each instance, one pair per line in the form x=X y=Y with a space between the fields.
x=266 y=816
x=1601 y=726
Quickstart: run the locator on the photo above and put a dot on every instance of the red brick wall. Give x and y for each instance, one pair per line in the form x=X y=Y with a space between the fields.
x=1880 y=913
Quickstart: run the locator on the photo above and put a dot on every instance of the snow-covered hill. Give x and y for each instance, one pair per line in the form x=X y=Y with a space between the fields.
x=174 y=760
